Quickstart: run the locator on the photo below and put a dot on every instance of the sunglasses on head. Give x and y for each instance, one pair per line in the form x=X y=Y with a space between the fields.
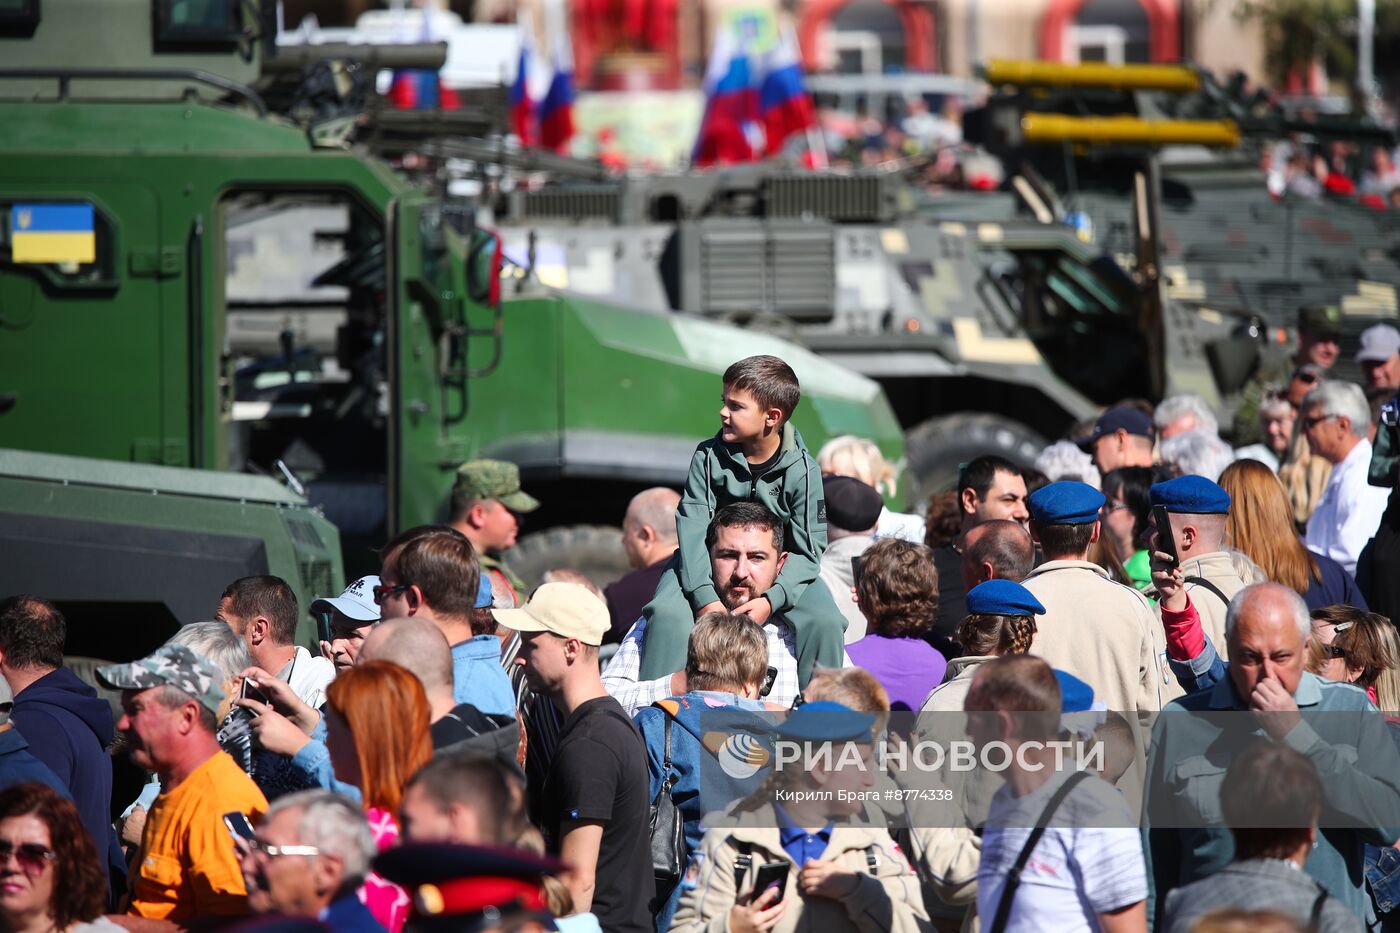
x=31 y=856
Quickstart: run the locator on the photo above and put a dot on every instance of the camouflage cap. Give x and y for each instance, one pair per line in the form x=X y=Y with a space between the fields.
x=493 y=479
x=173 y=665
x=1320 y=319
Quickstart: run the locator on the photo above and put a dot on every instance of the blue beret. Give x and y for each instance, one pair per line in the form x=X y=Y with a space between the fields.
x=824 y=721
x=1002 y=598
x=1075 y=695
x=483 y=591
x=1065 y=503
x=1194 y=494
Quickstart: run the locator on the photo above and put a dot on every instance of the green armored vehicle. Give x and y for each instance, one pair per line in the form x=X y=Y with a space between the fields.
x=254 y=297
x=132 y=551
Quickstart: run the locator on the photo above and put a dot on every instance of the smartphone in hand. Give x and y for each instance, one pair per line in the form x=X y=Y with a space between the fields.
x=250 y=691
x=238 y=825
x=1166 y=540
x=771 y=875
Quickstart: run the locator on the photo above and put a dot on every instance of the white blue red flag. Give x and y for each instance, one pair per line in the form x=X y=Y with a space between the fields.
x=557 y=108
x=522 y=105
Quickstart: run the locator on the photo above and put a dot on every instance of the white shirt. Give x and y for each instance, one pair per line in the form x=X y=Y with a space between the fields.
x=308 y=675
x=1349 y=512
x=1088 y=862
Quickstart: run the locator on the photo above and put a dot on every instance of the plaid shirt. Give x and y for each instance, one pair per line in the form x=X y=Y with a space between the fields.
x=620 y=676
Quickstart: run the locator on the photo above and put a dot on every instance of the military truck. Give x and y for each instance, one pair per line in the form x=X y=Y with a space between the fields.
x=992 y=320
x=360 y=352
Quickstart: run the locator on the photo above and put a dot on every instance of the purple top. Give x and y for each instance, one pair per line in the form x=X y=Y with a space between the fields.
x=908 y=668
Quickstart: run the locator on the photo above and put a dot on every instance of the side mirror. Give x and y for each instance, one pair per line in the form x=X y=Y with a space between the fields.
x=484 y=267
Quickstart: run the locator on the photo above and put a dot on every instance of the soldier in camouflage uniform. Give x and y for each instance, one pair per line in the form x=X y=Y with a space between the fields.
x=486 y=504
x=186 y=866
x=1319 y=335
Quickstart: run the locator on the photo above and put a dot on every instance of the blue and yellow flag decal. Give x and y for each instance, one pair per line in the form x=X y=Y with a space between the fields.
x=52 y=233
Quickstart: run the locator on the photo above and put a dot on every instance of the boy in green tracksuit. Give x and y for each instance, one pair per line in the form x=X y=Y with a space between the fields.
x=757 y=455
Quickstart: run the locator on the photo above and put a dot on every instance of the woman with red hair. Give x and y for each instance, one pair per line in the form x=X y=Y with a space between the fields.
x=50 y=876
x=377 y=733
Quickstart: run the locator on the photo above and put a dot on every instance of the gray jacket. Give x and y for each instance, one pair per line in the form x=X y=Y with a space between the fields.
x=1258 y=884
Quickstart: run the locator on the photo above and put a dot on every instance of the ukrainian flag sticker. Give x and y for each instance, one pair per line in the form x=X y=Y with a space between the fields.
x=52 y=233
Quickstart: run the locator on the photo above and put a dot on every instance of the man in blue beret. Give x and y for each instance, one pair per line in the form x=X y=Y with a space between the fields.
x=1198 y=509
x=1102 y=632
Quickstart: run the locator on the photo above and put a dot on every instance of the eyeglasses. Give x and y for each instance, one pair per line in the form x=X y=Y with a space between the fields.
x=1305 y=378
x=279 y=851
x=383 y=592
x=1334 y=651
x=1310 y=423
x=31 y=856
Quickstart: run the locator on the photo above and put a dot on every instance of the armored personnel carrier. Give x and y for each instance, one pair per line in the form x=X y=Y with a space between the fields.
x=239 y=291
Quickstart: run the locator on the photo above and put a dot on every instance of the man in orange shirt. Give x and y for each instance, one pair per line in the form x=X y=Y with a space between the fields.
x=187 y=866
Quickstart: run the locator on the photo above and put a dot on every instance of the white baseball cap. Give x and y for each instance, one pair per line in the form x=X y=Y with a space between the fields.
x=357 y=602
x=565 y=609
x=1379 y=342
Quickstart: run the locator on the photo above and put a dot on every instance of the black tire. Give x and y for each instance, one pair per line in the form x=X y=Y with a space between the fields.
x=933 y=450
x=593 y=550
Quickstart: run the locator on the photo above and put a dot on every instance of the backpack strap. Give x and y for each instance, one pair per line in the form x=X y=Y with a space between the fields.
x=1013 y=877
x=666 y=758
x=742 y=863
x=1208 y=586
x=1315 y=915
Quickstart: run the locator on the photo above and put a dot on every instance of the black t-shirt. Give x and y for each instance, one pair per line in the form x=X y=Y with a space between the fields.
x=599 y=772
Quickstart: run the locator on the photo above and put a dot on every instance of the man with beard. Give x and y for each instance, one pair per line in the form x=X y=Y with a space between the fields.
x=186 y=866
x=745 y=541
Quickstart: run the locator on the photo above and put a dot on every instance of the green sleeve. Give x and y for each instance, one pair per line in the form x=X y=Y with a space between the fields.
x=806 y=534
x=693 y=517
x=1384 y=458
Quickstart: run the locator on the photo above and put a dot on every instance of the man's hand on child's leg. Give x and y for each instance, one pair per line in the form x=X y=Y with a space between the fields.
x=758 y=609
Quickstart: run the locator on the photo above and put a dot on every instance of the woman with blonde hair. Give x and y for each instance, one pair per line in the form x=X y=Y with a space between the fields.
x=1350 y=645
x=849 y=455
x=1260 y=525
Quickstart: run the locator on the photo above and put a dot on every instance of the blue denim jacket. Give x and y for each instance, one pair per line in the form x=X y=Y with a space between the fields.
x=478 y=677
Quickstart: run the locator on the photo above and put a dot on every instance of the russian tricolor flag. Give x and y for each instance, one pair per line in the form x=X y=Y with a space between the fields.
x=754 y=104
x=557 y=108
x=783 y=101
x=729 y=126
x=522 y=106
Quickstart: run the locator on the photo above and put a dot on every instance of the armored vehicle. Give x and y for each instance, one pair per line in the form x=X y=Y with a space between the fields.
x=132 y=551
x=992 y=320
x=363 y=350
x=1226 y=241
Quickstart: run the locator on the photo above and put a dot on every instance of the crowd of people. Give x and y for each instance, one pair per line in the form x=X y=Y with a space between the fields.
x=462 y=753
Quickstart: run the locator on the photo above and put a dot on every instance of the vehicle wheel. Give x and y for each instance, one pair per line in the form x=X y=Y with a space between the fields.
x=933 y=450
x=593 y=550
